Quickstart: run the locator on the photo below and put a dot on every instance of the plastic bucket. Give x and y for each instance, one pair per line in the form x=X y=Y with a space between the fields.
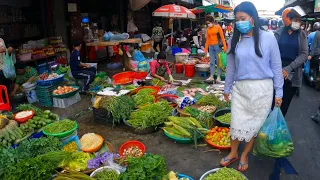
x=189 y=70
x=179 y=68
x=30 y=91
x=146 y=47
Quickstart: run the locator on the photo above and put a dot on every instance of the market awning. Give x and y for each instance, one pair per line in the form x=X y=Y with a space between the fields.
x=138 y=4
x=287 y=4
x=212 y=8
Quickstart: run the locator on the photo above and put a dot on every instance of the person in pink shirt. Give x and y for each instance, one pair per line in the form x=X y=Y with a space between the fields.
x=159 y=67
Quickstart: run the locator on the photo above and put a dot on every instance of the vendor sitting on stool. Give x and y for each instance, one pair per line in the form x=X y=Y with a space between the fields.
x=24 y=74
x=159 y=67
x=81 y=70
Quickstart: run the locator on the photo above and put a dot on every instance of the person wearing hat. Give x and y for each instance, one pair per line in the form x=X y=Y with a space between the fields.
x=81 y=70
x=24 y=74
x=293 y=45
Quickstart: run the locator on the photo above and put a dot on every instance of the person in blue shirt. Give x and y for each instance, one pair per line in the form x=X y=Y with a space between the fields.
x=253 y=72
x=81 y=70
x=310 y=39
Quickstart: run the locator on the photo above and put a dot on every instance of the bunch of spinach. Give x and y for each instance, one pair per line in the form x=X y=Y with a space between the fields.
x=27 y=149
x=147 y=167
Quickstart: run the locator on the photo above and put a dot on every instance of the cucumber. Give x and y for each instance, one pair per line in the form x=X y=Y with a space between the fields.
x=32 y=125
x=6 y=135
x=47 y=112
x=4 y=142
x=12 y=137
x=36 y=118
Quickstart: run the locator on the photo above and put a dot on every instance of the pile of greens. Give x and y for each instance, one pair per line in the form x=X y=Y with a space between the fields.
x=25 y=107
x=211 y=100
x=106 y=175
x=150 y=115
x=120 y=107
x=27 y=149
x=41 y=167
x=60 y=126
x=157 y=82
x=101 y=83
x=143 y=97
x=147 y=167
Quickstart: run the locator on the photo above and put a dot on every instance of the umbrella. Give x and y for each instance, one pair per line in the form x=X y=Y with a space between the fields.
x=174 y=11
x=212 y=8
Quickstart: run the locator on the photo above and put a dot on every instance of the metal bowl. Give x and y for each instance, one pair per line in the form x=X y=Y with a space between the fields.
x=202 y=69
x=214 y=171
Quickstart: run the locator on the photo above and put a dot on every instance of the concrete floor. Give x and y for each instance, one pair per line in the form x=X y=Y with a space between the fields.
x=187 y=160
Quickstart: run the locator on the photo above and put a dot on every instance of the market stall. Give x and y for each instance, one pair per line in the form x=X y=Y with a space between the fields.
x=122 y=44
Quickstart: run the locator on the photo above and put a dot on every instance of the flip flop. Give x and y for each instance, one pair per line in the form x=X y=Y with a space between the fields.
x=229 y=161
x=241 y=166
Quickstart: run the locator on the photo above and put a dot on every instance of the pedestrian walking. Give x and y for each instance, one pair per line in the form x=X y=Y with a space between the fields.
x=157 y=36
x=254 y=64
x=293 y=47
x=314 y=56
x=213 y=38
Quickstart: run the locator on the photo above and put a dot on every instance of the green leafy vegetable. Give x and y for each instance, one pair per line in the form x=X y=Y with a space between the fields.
x=144 y=97
x=150 y=115
x=60 y=126
x=106 y=175
x=210 y=100
x=157 y=82
x=192 y=111
x=25 y=107
x=225 y=174
x=120 y=107
x=148 y=167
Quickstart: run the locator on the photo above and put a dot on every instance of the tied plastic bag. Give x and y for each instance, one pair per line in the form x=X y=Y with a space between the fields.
x=143 y=66
x=138 y=56
x=306 y=67
x=8 y=67
x=274 y=139
x=222 y=60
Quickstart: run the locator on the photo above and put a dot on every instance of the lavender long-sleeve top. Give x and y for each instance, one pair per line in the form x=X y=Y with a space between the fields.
x=246 y=65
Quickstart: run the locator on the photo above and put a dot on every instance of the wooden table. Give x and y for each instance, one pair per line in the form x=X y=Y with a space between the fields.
x=115 y=43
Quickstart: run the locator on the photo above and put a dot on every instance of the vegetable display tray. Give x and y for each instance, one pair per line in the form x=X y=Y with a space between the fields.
x=95 y=149
x=181 y=140
x=66 y=95
x=184 y=176
x=214 y=171
x=63 y=134
x=148 y=130
x=129 y=144
x=51 y=81
x=221 y=112
x=216 y=146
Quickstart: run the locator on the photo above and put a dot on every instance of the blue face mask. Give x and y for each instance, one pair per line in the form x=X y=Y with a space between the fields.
x=244 y=26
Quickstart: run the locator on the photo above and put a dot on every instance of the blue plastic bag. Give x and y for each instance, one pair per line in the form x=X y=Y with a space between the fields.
x=8 y=67
x=274 y=139
x=138 y=56
x=306 y=67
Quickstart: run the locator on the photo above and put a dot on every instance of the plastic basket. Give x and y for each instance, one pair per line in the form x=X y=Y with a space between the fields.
x=221 y=112
x=140 y=75
x=214 y=171
x=51 y=82
x=63 y=134
x=123 y=78
x=181 y=140
x=148 y=130
x=44 y=95
x=60 y=96
x=129 y=144
x=66 y=102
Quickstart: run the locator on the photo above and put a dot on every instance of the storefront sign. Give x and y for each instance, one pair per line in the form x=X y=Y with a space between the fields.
x=72 y=7
x=317 y=6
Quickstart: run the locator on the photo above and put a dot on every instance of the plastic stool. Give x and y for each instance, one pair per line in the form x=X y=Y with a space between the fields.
x=204 y=74
x=4 y=101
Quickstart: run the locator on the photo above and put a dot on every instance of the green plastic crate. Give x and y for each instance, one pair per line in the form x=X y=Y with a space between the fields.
x=44 y=95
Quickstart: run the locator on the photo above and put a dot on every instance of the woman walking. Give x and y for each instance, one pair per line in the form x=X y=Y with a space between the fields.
x=293 y=44
x=157 y=36
x=254 y=64
x=213 y=37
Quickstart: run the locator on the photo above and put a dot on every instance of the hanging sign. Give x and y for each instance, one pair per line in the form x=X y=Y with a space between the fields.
x=317 y=6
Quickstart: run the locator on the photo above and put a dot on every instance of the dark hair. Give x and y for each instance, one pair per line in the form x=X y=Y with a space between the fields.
x=209 y=18
x=20 y=65
x=76 y=43
x=292 y=15
x=251 y=10
x=162 y=55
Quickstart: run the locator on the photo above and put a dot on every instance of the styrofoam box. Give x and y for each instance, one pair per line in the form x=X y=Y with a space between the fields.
x=66 y=102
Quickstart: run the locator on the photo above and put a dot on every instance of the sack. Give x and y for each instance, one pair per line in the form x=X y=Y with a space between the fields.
x=274 y=139
x=8 y=67
x=222 y=60
x=306 y=67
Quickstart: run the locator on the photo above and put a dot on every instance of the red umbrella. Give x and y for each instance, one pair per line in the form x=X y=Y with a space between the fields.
x=174 y=11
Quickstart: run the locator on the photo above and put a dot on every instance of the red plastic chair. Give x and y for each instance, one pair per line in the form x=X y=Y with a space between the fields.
x=4 y=103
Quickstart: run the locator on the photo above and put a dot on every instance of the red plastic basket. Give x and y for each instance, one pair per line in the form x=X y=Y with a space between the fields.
x=155 y=88
x=123 y=78
x=216 y=146
x=129 y=144
x=25 y=119
x=140 y=75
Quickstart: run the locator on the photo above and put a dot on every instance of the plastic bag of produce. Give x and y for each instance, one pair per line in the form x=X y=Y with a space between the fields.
x=274 y=139
x=8 y=66
x=143 y=66
x=222 y=60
